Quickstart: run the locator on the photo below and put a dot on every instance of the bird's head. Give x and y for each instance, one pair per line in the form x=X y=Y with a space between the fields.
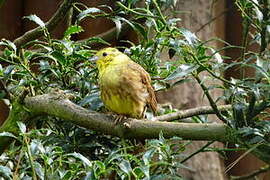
x=106 y=56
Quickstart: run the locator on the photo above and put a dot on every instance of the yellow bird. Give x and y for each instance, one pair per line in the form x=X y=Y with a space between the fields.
x=125 y=86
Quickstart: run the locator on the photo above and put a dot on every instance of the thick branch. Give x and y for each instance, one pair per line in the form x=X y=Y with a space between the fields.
x=55 y=105
x=50 y=25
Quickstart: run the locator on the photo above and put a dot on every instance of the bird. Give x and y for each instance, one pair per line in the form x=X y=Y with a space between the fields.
x=125 y=86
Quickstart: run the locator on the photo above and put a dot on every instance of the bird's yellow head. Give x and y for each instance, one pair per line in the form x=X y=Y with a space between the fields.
x=107 y=56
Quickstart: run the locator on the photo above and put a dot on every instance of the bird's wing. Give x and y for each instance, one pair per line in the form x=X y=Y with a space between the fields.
x=145 y=80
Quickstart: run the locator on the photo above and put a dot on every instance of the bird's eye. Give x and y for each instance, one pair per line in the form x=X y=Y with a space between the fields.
x=104 y=54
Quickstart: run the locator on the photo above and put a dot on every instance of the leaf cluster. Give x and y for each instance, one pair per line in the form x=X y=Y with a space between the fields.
x=172 y=56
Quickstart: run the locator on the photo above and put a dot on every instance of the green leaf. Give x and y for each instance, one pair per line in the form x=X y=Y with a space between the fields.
x=9 y=70
x=73 y=30
x=2 y=2
x=148 y=155
x=22 y=127
x=125 y=166
x=189 y=36
x=146 y=171
x=181 y=71
x=89 y=175
x=8 y=44
x=81 y=157
x=239 y=116
x=165 y=176
x=7 y=134
x=118 y=26
x=1 y=70
x=141 y=29
x=58 y=55
x=39 y=170
x=88 y=12
x=5 y=172
x=96 y=40
x=93 y=100
x=36 y=19
x=36 y=147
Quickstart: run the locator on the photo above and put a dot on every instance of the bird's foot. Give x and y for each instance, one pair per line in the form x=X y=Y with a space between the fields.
x=121 y=119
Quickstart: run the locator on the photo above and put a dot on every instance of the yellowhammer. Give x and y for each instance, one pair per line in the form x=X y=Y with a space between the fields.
x=125 y=86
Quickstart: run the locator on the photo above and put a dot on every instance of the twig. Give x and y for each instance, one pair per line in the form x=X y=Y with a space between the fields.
x=30 y=158
x=191 y=112
x=213 y=19
x=230 y=166
x=214 y=75
x=209 y=97
x=136 y=12
x=50 y=25
x=252 y=174
x=198 y=151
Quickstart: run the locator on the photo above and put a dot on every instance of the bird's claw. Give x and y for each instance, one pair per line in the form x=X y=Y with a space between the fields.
x=121 y=119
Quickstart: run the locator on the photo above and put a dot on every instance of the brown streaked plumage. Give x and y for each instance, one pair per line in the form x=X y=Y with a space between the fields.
x=125 y=86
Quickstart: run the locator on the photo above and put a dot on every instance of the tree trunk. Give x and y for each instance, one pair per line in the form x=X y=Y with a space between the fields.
x=207 y=165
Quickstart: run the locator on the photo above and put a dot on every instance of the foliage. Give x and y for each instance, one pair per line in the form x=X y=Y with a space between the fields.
x=40 y=154
x=59 y=150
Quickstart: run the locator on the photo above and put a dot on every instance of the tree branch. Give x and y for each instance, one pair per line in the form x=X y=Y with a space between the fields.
x=209 y=97
x=191 y=112
x=50 y=25
x=57 y=104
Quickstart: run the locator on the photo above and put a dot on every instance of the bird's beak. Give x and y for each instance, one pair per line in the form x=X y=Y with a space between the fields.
x=93 y=59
